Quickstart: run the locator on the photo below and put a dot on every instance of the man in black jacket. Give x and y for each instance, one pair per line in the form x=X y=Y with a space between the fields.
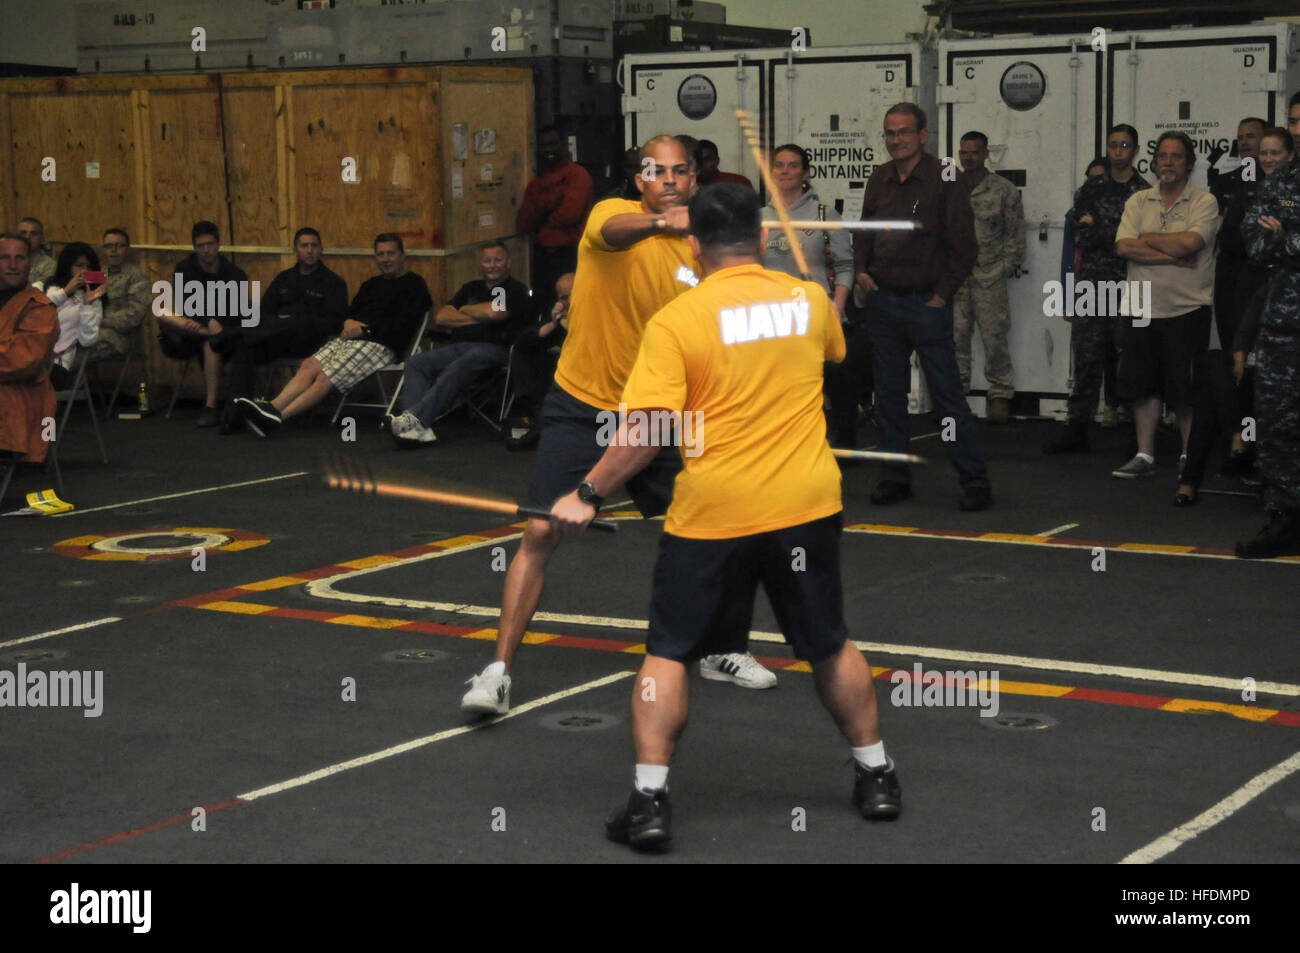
x=378 y=328
x=303 y=307
x=186 y=335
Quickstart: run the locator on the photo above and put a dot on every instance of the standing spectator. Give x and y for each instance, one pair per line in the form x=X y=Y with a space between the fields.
x=483 y=318
x=982 y=299
x=1167 y=235
x=184 y=335
x=830 y=256
x=79 y=305
x=1095 y=339
x=706 y=166
x=303 y=308
x=907 y=280
x=1236 y=277
x=28 y=330
x=553 y=211
x=1272 y=232
x=381 y=321
x=42 y=261
x=127 y=300
x=532 y=366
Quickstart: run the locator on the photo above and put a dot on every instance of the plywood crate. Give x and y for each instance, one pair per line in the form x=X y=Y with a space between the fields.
x=441 y=155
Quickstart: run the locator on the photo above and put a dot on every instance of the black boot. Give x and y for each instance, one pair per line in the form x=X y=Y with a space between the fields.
x=1281 y=537
x=1073 y=440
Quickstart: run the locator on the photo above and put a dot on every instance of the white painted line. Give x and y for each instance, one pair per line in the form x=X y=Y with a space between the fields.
x=1057 y=529
x=54 y=632
x=1163 y=846
x=324 y=589
x=174 y=496
x=342 y=766
x=924 y=435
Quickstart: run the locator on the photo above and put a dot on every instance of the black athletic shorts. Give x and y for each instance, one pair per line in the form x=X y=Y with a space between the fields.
x=704 y=589
x=180 y=347
x=568 y=449
x=1157 y=359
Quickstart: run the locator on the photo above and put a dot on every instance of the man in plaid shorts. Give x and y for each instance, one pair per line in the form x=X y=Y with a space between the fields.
x=380 y=322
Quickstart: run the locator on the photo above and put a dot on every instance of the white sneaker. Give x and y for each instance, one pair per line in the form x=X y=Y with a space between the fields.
x=415 y=433
x=401 y=423
x=489 y=691
x=739 y=667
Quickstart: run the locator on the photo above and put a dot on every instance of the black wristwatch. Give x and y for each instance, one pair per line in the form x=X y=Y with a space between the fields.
x=587 y=493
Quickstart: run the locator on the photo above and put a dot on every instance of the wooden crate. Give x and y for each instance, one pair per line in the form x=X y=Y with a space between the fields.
x=441 y=157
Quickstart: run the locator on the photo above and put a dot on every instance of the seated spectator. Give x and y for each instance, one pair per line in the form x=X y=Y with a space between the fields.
x=188 y=335
x=384 y=315
x=80 y=308
x=28 y=330
x=42 y=261
x=303 y=308
x=482 y=319
x=532 y=366
x=127 y=298
x=706 y=167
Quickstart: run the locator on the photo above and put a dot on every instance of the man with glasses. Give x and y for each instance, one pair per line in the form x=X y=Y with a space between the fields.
x=906 y=281
x=1095 y=339
x=125 y=303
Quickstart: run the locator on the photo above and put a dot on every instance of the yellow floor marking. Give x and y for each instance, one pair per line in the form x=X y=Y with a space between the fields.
x=634 y=650
x=368 y=561
x=1035 y=688
x=456 y=541
x=798 y=667
x=239 y=544
x=245 y=608
x=366 y=621
x=1154 y=548
x=117 y=557
x=279 y=582
x=533 y=638
x=1192 y=706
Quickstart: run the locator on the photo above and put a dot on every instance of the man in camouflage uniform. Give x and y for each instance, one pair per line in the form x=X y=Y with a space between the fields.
x=1000 y=235
x=127 y=298
x=1272 y=233
x=1098 y=208
x=42 y=262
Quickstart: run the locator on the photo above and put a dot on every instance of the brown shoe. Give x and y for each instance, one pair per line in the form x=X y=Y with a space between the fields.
x=999 y=411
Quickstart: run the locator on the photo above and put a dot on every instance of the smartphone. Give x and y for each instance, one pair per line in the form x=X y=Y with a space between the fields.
x=94 y=277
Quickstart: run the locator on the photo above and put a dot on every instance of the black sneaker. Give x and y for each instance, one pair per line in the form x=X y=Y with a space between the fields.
x=1073 y=440
x=646 y=821
x=891 y=491
x=876 y=792
x=260 y=415
x=1281 y=537
x=975 y=498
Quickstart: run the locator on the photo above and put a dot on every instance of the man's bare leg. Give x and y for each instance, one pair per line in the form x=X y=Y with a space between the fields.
x=300 y=381
x=1146 y=415
x=659 y=706
x=523 y=588
x=846 y=689
x=211 y=375
x=304 y=401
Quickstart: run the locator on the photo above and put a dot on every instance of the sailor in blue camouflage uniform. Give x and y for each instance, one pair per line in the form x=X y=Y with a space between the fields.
x=1272 y=233
x=1098 y=208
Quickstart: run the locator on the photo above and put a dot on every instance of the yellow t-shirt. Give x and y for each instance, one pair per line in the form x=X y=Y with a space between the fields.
x=614 y=295
x=741 y=358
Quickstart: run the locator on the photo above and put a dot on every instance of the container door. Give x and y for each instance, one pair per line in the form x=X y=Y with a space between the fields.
x=833 y=105
x=1040 y=106
x=696 y=97
x=1163 y=82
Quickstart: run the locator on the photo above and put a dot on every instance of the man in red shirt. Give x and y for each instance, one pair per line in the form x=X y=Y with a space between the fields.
x=554 y=211
x=706 y=167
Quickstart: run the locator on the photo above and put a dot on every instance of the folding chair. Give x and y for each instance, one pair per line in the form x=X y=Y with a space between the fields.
x=80 y=390
x=134 y=350
x=480 y=397
x=10 y=461
x=399 y=366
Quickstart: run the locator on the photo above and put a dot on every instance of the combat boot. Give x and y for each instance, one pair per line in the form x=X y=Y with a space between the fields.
x=1281 y=537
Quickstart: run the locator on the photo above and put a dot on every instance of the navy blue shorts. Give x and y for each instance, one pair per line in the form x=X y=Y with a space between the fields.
x=704 y=589
x=568 y=449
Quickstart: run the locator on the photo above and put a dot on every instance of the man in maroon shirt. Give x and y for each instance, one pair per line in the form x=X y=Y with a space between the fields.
x=554 y=211
x=706 y=167
x=906 y=281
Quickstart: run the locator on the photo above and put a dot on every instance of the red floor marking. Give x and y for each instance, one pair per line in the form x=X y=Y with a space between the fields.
x=1127 y=699
x=126 y=835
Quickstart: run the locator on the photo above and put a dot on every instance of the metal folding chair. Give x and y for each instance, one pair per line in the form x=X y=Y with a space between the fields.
x=398 y=367
x=80 y=390
x=134 y=350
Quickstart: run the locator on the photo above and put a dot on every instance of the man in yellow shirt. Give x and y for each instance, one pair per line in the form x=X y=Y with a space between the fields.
x=739 y=357
x=633 y=259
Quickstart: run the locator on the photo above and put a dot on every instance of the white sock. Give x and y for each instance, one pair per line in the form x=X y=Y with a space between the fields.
x=651 y=778
x=871 y=756
x=1147 y=457
x=496 y=668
